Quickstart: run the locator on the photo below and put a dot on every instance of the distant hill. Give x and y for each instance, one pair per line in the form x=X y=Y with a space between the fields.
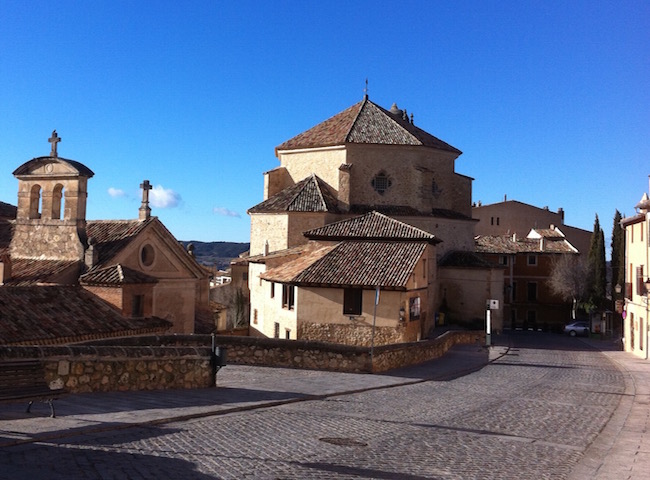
x=217 y=253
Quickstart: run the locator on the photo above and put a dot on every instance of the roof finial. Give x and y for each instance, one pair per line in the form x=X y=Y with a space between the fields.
x=54 y=139
x=365 y=91
x=145 y=211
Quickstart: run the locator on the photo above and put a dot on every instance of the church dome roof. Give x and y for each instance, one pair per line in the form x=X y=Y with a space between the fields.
x=366 y=122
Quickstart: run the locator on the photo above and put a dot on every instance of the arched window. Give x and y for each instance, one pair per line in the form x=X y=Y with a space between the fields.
x=35 y=202
x=57 y=202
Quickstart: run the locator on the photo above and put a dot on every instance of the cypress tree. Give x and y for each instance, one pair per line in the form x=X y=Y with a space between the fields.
x=618 y=254
x=598 y=266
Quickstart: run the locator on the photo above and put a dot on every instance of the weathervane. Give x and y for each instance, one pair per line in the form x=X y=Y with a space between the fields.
x=365 y=90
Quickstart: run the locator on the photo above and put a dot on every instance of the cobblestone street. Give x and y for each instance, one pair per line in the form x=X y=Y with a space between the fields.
x=530 y=414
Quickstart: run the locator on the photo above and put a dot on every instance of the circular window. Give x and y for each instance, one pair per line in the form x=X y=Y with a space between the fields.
x=147 y=255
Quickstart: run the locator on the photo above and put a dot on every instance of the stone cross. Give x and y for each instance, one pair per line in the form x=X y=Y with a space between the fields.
x=145 y=186
x=145 y=211
x=54 y=139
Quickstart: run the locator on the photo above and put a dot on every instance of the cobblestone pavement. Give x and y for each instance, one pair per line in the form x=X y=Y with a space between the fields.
x=530 y=414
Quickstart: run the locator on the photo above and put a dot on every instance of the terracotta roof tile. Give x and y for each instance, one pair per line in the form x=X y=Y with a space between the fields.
x=6 y=233
x=505 y=244
x=371 y=226
x=406 y=211
x=7 y=211
x=28 y=271
x=115 y=275
x=37 y=315
x=365 y=122
x=309 y=195
x=291 y=269
x=354 y=264
x=111 y=236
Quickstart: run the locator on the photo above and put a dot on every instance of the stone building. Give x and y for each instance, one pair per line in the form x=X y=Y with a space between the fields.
x=529 y=302
x=98 y=278
x=512 y=217
x=361 y=165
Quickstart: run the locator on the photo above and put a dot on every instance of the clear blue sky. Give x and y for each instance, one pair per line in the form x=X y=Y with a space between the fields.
x=549 y=101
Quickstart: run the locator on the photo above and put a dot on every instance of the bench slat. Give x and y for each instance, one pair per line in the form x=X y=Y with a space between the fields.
x=25 y=380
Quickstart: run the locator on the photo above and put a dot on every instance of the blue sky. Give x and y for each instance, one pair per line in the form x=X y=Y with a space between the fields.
x=549 y=101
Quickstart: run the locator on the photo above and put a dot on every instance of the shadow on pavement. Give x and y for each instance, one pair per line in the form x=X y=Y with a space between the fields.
x=34 y=461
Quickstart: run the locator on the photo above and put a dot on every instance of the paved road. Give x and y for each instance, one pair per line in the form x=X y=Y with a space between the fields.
x=531 y=413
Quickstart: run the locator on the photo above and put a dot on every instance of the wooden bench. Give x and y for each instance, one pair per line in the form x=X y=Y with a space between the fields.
x=25 y=380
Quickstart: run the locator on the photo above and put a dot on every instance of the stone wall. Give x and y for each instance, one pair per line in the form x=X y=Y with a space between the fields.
x=352 y=334
x=111 y=368
x=183 y=361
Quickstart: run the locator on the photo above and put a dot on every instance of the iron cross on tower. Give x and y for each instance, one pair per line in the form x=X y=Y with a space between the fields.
x=54 y=139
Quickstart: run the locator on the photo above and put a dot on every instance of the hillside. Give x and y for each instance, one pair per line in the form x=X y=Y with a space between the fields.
x=217 y=253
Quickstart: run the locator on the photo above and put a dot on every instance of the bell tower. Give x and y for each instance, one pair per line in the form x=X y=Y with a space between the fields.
x=51 y=216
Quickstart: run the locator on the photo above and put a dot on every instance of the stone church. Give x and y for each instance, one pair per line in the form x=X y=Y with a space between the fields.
x=365 y=235
x=65 y=278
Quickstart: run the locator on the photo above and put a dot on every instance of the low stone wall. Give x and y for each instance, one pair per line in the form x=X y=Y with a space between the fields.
x=183 y=361
x=109 y=368
x=354 y=334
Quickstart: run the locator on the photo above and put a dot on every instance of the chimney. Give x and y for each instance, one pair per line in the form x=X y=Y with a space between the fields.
x=343 y=195
x=91 y=256
x=266 y=247
x=5 y=269
x=560 y=212
x=542 y=244
x=514 y=237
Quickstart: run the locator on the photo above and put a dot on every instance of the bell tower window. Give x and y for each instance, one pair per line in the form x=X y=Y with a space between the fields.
x=35 y=202
x=57 y=202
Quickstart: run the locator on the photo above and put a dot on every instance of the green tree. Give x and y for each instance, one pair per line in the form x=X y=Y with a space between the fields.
x=618 y=255
x=597 y=267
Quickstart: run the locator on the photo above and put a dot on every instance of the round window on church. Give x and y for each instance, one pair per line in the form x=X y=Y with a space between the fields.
x=147 y=255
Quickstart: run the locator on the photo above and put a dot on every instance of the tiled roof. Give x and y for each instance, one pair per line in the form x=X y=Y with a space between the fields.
x=279 y=254
x=505 y=244
x=371 y=226
x=289 y=270
x=37 y=315
x=7 y=210
x=309 y=195
x=406 y=211
x=548 y=233
x=28 y=271
x=365 y=122
x=6 y=233
x=463 y=259
x=111 y=236
x=353 y=264
x=115 y=275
